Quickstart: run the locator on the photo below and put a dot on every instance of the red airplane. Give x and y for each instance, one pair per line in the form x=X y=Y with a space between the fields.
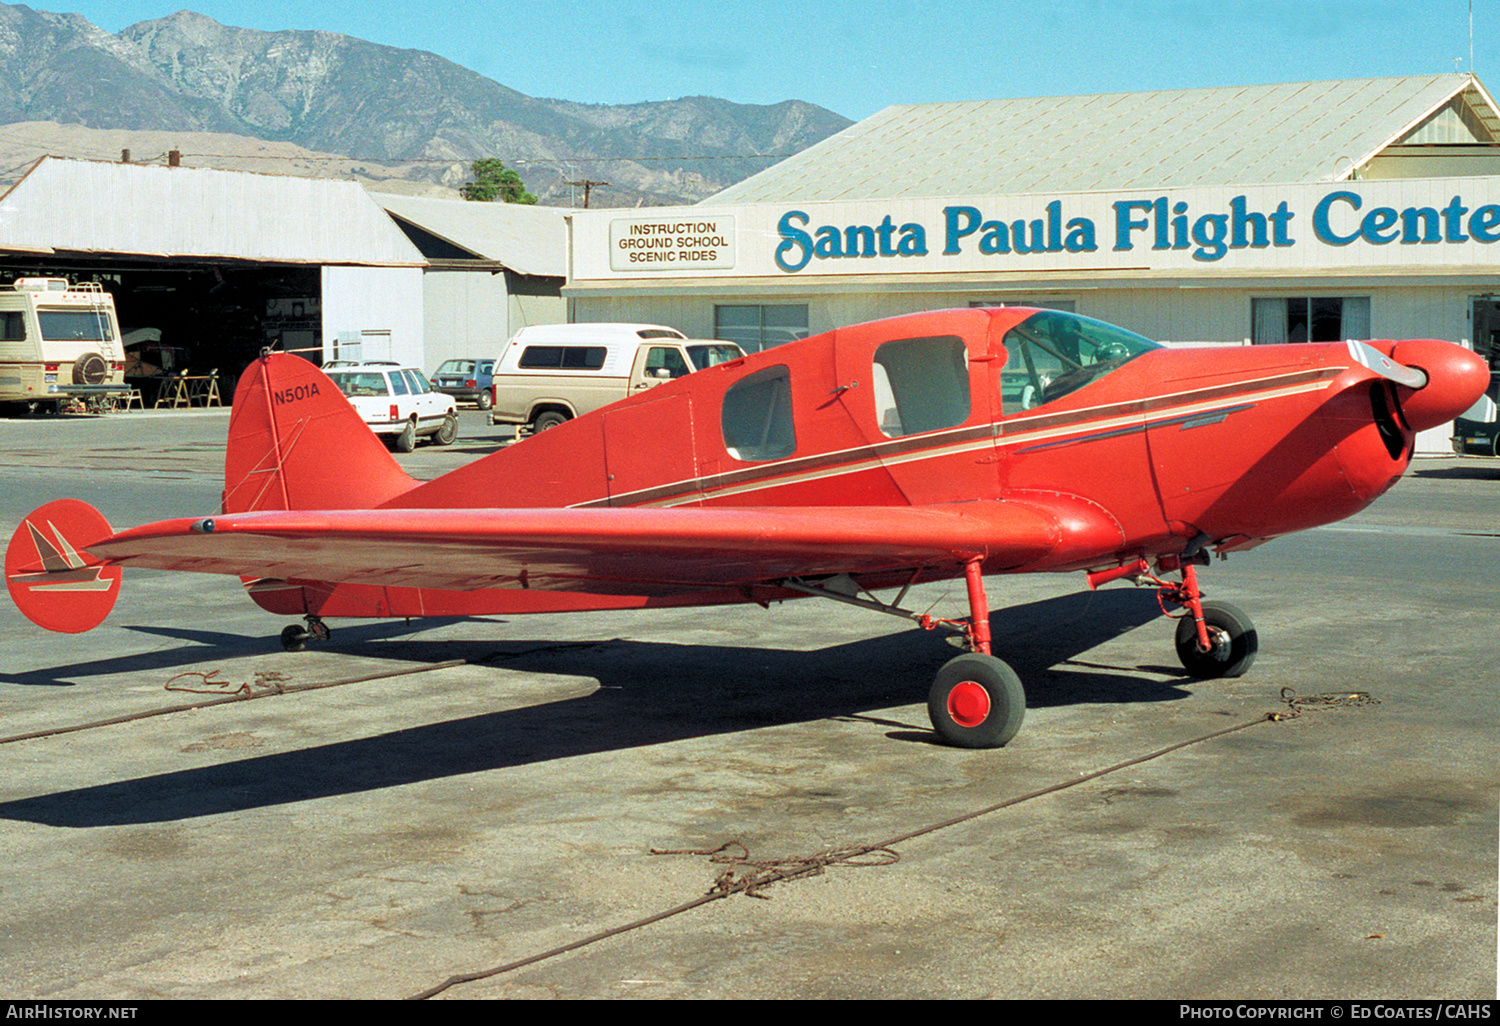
x=931 y=446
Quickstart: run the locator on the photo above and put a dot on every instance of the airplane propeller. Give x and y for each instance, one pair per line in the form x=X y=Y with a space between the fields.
x=1372 y=359
x=1437 y=380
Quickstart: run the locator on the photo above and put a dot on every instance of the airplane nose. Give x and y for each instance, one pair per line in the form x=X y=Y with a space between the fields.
x=1456 y=378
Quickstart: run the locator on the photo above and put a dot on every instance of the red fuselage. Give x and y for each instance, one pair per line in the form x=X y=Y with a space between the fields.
x=1160 y=447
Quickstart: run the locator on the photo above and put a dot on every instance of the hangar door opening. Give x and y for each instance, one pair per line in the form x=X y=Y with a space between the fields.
x=212 y=319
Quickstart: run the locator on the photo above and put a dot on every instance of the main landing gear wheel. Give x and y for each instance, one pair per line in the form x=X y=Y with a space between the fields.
x=1232 y=642
x=976 y=702
x=294 y=637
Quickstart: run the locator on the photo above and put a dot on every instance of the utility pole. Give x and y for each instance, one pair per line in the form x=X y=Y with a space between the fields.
x=588 y=184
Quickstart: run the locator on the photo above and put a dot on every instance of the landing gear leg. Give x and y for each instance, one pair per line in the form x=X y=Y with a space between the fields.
x=1214 y=639
x=976 y=701
x=294 y=637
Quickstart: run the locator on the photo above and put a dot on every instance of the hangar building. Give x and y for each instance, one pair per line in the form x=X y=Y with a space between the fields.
x=215 y=265
x=1229 y=216
x=492 y=269
x=208 y=267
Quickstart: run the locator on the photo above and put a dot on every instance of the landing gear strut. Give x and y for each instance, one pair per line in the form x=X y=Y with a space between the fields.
x=976 y=701
x=1214 y=639
x=294 y=636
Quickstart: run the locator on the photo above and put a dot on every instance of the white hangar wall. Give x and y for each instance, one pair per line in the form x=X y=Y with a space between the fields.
x=376 y=309
x=474 y=313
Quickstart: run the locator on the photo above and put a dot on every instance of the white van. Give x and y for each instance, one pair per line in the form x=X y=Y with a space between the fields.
x=551 y=373
x=58 y=343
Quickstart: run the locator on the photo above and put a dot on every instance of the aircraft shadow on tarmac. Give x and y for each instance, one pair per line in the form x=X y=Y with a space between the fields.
x=1479 y=470
x=650 y=693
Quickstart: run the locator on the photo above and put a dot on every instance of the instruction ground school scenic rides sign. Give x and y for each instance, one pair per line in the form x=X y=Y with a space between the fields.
x=1427 y=222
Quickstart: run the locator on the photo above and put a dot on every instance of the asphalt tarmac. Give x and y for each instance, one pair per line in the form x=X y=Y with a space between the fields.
x=464 y=795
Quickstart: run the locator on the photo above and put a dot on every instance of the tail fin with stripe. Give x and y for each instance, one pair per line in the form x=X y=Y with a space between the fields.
x=295 y=442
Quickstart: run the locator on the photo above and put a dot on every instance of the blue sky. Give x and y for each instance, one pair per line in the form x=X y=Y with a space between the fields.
x=858 y=56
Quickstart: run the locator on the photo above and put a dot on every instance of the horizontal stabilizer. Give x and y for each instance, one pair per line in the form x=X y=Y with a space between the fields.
x=52 y=577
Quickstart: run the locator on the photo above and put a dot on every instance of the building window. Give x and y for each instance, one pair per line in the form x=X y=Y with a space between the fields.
x=1314 y=319
x=760 y=327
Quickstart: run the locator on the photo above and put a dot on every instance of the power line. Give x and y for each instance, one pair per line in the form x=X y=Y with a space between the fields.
x=470 y=160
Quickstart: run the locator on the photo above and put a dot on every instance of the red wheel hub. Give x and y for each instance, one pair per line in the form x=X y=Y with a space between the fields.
x=968 y=703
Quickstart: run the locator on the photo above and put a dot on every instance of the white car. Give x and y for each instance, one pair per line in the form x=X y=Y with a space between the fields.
x=397 y=402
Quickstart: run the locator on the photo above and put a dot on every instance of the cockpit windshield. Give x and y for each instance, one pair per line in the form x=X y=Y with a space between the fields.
x=1052 y=353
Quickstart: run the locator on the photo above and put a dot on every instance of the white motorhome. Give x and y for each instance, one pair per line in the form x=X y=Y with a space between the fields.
x=59 y=343
x=550 y=373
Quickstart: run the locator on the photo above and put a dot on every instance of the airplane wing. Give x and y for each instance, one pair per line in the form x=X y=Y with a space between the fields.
x=609 y=551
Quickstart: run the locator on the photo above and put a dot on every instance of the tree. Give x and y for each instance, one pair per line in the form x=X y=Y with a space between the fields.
x=494 y=181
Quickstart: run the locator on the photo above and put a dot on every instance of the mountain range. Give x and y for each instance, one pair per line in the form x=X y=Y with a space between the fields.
x=311 y=102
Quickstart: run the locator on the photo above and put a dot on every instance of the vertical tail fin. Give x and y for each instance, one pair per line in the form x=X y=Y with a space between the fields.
x=295 y=442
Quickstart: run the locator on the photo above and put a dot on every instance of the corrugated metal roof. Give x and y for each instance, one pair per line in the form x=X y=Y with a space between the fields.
x=1291 y=132
x=97 y=207
x=528 y=239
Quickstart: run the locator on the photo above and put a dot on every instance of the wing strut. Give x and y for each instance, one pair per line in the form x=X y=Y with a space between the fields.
x=972 y=634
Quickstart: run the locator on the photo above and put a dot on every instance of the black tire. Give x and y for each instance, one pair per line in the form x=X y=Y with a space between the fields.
x=485 y=400
x=547 y=420
x=294 y=638
x=1234 y=642
x=406 y=441
x=447 y=432
x=976 y=701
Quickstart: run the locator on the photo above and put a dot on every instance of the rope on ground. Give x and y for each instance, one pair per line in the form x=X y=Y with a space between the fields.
x=770 y=872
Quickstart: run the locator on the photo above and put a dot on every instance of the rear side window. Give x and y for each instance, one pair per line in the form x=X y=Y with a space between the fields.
x=398 y=384
x=12 y=326
x=921 y=384
x=74 y=326
x=563 y=357
x=757 y=416
x=359 y=383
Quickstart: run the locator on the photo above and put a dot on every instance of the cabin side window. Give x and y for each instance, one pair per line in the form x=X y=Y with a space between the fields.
x=920 y=384
x=757 y=416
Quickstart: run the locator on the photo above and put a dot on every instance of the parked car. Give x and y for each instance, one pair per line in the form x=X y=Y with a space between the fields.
x=397 y=402
x=467 y=379
x=1477 y=432
x=550 y=373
